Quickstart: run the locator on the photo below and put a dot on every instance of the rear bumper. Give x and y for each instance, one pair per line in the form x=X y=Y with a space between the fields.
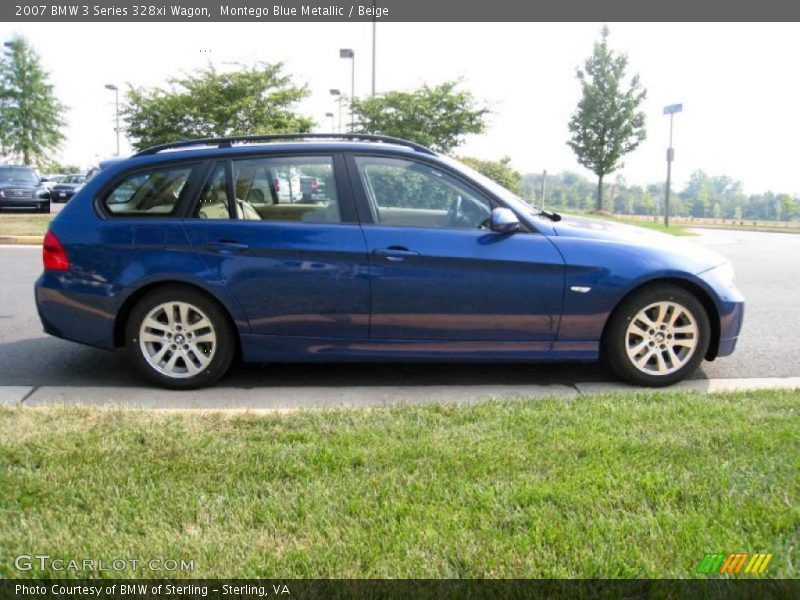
x=61 y=195
x=86 y=316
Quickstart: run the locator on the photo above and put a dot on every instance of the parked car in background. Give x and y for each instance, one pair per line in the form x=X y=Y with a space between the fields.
x=21 y=189
x=286 y=186
x=183 y=255
x=312 y=188
x=51 y=179
x=67 y=187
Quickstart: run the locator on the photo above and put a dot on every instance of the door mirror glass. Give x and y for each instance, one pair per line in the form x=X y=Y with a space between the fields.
x=504 y=221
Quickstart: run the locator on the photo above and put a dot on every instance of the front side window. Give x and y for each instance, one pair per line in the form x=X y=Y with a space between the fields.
x=406 y=193
x=150 y=193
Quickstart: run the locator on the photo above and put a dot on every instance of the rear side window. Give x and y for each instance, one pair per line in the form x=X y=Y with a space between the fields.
x=214 y=197
x=149 y=193
x=299 y=188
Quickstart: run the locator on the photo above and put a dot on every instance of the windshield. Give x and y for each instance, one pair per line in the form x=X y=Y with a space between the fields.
x=18 y=175
x=73 y=179
x=498 y=190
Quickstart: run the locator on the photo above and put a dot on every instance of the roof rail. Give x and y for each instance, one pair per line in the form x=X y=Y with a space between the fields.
x=227 y=142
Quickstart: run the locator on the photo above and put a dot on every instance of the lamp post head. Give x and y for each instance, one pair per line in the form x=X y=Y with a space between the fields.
x=336 y=93
x=329 y=115
x=346 y=53
x=111 y=87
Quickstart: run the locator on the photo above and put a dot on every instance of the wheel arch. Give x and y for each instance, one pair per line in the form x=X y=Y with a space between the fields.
x=130 y=302
x=696 y=290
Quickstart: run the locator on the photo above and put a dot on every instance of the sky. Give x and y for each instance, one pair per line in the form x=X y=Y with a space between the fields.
x=737 y=83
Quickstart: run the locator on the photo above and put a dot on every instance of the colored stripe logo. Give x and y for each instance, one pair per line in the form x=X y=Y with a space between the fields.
x=734 y=563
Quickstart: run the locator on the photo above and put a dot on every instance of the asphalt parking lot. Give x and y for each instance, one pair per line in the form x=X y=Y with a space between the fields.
x=768 y=273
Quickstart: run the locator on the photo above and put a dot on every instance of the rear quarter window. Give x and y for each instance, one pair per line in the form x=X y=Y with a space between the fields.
x=148 y=193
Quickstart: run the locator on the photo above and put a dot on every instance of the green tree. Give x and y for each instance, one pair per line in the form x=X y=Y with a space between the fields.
x=60 y=168
x=500 y=171
x=607 y=123
x=31 y=117
x=252 y=100
x=438 y=117
x=648 y=204
x=786 y=206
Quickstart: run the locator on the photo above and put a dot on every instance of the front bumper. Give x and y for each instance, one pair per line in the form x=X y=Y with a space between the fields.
x=23 y=204
x=729 y=303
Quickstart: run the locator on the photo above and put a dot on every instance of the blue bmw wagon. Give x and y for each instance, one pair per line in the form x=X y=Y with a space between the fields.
x=293 y=248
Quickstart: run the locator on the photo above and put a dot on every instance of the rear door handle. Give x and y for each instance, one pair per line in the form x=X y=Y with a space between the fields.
x=395 y=253
x=227 y=246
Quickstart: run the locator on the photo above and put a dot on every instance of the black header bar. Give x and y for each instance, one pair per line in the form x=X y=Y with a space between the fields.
x=398 y=10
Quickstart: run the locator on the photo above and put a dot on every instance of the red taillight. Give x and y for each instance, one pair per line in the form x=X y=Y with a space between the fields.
x=314 y=185
x=53 y=255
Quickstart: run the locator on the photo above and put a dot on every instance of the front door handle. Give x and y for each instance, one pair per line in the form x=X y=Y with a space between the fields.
x=395 y=253
x=227 y=246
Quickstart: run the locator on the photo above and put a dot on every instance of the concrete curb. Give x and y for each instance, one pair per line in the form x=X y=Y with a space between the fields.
x=22 y=240
x=13 y=395
x=709 y=386
x=281 y=399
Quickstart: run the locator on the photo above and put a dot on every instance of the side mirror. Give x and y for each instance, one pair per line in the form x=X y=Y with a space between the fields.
x=504 y=220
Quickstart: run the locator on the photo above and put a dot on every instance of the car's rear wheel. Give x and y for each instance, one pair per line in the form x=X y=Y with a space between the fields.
x=658 y=336
x=180 y=338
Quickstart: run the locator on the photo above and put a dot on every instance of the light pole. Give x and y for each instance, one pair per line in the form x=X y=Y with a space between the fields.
x=115 y=89
x=374 y=26
x=338 y=95
x=544 y=187
x=330 y=116
x=348 y=53
x=669 y=110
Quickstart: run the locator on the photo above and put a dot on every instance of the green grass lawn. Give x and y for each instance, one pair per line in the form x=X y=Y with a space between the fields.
x=655 y=226
x=24 y=224
x=637 y=485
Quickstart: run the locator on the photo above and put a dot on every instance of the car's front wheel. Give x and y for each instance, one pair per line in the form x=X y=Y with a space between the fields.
x=180 y=338
x=658 y=336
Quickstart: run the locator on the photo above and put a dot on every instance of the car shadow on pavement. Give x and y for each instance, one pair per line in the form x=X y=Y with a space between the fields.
x=44 y=361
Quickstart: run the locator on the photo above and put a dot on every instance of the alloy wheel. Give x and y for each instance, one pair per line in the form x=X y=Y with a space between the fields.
x=661 y=338
x=177 y=339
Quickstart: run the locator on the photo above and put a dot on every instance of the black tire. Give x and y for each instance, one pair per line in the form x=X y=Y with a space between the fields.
x=221 y=328
x=615 y=339
x=44 y=208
